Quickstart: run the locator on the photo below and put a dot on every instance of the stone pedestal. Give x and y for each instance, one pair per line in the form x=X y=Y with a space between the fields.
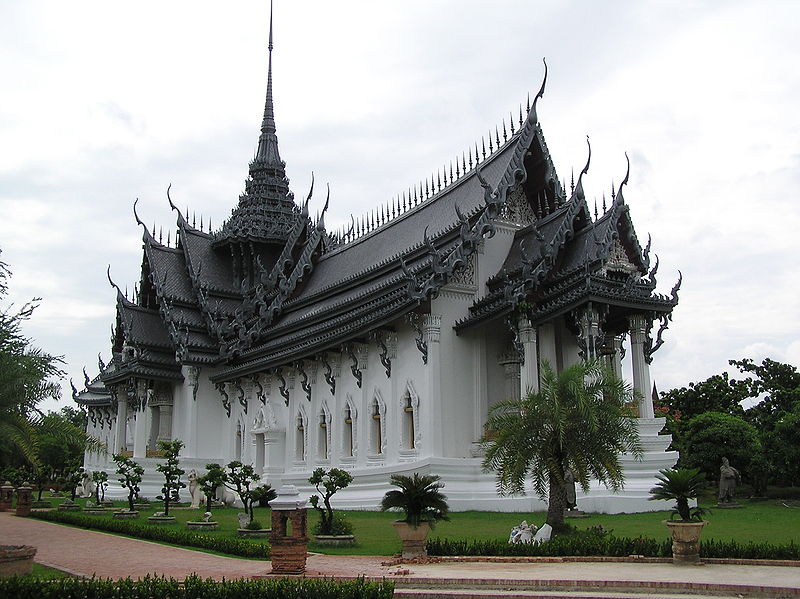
x=289 y=537
x=24 y=499
x=16 y=560
x=6 y=496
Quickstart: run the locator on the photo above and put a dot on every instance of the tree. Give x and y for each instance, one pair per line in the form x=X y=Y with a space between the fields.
x=171 y=471
x=709 y=437
x=100 y=480
x=210 y=482
x=718 y=393
x=332 y=481
x=238 y=478
x=577 y=420
x=778 y=386
x=54 y=450
x=26 y=378
x=130 y=475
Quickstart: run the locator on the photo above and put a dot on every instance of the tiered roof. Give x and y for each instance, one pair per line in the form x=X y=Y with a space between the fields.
x=272 y=286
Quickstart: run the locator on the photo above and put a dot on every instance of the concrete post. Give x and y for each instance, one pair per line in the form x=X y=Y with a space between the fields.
x=24 y=499
x=641 y=369
x=434 y=441
x=529 y=369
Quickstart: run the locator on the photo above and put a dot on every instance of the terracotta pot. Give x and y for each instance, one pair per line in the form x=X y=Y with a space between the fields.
x=16 y=559
x=412 y=538
x=685 y=541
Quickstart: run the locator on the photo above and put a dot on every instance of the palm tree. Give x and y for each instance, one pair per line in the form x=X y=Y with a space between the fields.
x=418 y=498
x=577 y=420
x=26 y=378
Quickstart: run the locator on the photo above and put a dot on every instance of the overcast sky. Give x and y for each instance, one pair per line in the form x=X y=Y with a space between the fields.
x=104 y=102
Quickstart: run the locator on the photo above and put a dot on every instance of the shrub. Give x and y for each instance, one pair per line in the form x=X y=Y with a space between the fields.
x=592 y=543
x=194 y=586
x=254 y=525
x=340 y=526
x=185 y=538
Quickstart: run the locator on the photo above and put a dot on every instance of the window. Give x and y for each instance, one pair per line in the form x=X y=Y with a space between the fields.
x=300 y=439
x=377 y=433
x=347 y=447
x=322 y=437
x=408 y=423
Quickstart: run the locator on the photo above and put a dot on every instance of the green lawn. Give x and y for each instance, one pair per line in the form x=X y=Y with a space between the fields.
x=766 y=521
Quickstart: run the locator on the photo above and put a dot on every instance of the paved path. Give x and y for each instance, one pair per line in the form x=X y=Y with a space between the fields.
x=85 y=553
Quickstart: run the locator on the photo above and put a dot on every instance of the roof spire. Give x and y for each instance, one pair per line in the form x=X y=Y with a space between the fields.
x=268 y=142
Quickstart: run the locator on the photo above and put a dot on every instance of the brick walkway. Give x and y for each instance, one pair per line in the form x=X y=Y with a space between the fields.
x=86 y=553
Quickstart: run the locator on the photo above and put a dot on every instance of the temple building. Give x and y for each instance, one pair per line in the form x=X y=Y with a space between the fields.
x=381 y=347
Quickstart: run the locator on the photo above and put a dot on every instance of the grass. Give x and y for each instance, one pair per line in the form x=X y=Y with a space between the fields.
x=46 y=573
x=767 y=521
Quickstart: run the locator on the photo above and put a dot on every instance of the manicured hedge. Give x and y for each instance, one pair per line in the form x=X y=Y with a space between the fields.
x=588 y=544
x=572 y=544
x=186 y=538
x=194 y=588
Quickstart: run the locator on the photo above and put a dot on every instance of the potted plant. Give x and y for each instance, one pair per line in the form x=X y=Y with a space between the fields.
x=172 y=477
x=330 y=530
x=682 y=485
x=422 y=504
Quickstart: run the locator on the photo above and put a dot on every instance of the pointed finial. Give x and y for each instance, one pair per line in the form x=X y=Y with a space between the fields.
x=161 y=235
x=201 y=222
x=483 y=147
x=194 y=219
x=604 y=202
x=470 y=158
x=572 y=182
x=613 y=193
x=595 y=209
x=463 y=163
x=168 y=235
x=476 y=152
x=520 y=116
x=511 y=122
x=491 y=147
x=497 y=136
x=528 y=103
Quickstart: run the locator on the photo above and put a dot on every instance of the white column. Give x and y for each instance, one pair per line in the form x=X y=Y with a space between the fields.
x=529 y=370
x=641 y=369
x=433 y=444
x=120 y=443
x=190 y=411
x=547 y=345
x=274 y=456
x=616 y=358
x=140 y=435
x=164 y=423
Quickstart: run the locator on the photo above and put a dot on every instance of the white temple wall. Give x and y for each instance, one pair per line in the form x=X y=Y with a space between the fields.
x=211 y=422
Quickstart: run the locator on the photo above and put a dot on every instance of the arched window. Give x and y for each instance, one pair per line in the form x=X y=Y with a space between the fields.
x=376 y=432
x=300 y=439
x=322 y=436
x=409 y=432
x=347 y=447
x=239 y=441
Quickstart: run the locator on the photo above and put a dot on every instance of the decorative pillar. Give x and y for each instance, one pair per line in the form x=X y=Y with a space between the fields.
x=164 y=422
x=142 y=415
x=120 y=443
x=589 y=335
x=529 y=368
x=641 y=369
x=289 y=537
x=547 y=345
x=24 y=499
x=6 y=496
x=190 y=404
x=432 y=326
x=510 y=361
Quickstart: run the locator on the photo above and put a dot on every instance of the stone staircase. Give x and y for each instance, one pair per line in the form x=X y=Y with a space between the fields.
x=430 y=588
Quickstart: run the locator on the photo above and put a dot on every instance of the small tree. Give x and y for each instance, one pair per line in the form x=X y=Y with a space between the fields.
x=210 y=482
x=262 y=495
x=130 y=475
x=238 y=478
x=73 y=474
x=331 y=481
x=171 y=471
x=41 y=476
x=100 y=480
x=680 y=485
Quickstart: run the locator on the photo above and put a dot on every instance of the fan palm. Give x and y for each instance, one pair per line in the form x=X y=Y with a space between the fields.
x=681 y=485
x=577 y=419
x=418 y=498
